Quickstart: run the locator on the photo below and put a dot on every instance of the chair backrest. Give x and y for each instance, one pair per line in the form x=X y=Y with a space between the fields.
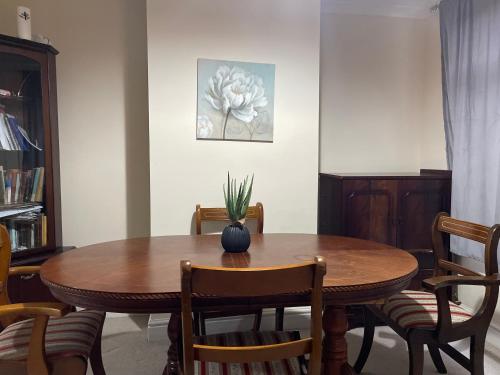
x=5 y=254
x=252 y=282
x=444 y=226
x=220 y=214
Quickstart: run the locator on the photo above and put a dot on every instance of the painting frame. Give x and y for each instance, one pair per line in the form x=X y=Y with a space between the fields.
x=235 y=100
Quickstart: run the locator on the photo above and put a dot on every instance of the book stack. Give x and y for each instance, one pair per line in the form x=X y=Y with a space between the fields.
x=27 y=231
x=12 y=136
x=21 y=186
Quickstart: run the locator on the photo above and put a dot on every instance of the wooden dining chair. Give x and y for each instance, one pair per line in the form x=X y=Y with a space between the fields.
x=210 y=214
x=43 y=338
x=250 y=352
x=429 y=318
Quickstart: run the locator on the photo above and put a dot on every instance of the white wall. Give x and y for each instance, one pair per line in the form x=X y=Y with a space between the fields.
x=380 y=94
x=432 y=137
x=185 y=171
x=103 y=119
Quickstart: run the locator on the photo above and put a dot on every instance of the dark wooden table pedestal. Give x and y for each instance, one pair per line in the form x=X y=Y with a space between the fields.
x=142 y=275
x=334 y=342
x=175 y=337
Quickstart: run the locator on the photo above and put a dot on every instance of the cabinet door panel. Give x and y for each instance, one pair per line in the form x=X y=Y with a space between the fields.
x=330 y=206
x=419 y=202
x=383 y=211
x=28 y=288
x=369 y=207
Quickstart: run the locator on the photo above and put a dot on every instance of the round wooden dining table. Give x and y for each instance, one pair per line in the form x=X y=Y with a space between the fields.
x=142 y=275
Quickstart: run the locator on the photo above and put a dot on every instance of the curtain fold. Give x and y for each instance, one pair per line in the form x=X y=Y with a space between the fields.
x=470 y=42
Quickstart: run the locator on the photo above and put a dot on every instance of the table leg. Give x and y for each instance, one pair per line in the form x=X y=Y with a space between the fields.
x=174 y=335
x=334 y=343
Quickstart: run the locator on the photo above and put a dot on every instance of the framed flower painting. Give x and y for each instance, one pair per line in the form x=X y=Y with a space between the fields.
x=235 y=101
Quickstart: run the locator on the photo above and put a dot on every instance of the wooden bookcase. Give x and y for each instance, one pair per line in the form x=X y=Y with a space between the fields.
x=30 y=199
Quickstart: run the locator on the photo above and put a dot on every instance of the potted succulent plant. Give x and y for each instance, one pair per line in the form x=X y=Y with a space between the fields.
x=236 y=237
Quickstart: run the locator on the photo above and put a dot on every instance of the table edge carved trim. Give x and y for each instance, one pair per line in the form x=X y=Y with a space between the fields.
x=169 y=302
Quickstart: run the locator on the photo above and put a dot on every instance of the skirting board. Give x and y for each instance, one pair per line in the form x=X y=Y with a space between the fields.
x=117 y=315
x=296 y=318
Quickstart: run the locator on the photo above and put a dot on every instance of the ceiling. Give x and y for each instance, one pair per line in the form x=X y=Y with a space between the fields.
x=392 y=8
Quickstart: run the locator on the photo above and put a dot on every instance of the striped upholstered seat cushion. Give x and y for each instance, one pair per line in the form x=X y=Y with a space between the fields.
x=71 y=335
x=417 y=309
x=250 y=338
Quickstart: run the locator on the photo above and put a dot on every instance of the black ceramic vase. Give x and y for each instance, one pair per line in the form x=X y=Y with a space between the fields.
x=235 y=238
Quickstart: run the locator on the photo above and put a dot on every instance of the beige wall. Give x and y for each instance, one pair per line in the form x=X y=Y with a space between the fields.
x=380 y=94
x=185 y=171
x=432 y=138
x=103 y=118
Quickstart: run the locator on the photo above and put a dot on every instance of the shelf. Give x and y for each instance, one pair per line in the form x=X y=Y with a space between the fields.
x=36 y=255
x=10 y=206
x=9 y=210
x=15 y=98
x=21 y=151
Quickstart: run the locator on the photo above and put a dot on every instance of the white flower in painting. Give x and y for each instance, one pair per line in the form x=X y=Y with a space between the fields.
x=237 y=92
x=204 y=127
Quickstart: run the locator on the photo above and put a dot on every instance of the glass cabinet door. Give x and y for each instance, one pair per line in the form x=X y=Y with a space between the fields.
x=22 y=156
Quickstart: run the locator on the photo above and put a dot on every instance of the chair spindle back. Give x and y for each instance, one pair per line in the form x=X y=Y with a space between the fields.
x=252 y=282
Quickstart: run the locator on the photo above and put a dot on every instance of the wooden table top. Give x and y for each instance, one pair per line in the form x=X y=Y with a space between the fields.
x=115 y=276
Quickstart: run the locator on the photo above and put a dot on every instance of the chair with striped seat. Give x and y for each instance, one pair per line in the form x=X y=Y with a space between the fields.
x=44 y=338
x=288 y=366
x=429 y=318
x=252 y=352
x=419 y=309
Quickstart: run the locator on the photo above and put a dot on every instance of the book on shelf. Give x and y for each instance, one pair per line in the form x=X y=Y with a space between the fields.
x=44 y=230
x=13 y=136
x=27 y=231
x=24 y=219
x=21 y=186
x=2 y=186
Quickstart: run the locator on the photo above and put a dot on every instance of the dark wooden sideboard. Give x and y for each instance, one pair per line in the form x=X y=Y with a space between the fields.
x=396 y=209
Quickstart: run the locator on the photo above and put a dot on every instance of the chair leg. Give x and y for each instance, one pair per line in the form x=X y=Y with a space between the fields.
x=477 y=354
x=95 y=356
x=436 y=358
x=257 y=320
x=416 y=352
x=368 y=334
x=279 y=318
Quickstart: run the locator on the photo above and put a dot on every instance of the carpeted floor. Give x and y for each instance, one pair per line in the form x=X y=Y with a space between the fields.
x=126 y=351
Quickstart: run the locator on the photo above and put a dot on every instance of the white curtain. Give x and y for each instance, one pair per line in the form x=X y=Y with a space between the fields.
x=470 y=39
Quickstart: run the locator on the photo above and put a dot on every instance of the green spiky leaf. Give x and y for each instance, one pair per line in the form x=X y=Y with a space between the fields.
x=237 y=199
